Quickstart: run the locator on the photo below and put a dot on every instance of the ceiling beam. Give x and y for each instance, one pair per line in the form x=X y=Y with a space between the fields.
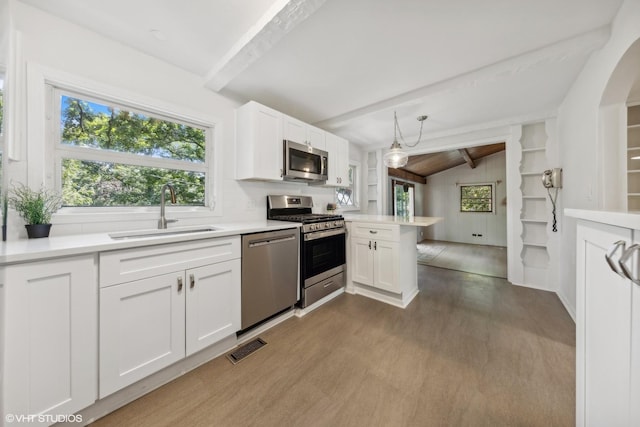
x=406 y=175
x=467 y=158
x=282 y=17
x=557 y=52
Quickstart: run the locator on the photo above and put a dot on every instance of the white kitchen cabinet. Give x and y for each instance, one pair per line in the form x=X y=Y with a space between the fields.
x=375 y=263
x=376 y=253
x=213 y=304
x=50 y=332
x=163 y=303
x=338 y=149
x=303 y=133
x=259 y=143
x=141 y=329
x=608 y=331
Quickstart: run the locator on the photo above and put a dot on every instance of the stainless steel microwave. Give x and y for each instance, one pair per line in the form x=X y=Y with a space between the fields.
x=304 y=163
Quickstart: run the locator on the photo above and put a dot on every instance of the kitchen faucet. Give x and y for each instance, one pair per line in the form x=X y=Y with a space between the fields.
x=162 y=222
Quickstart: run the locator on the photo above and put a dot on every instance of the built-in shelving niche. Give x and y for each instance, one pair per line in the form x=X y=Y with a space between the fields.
x=534 y=199
x=633 y=165
x=372 y=183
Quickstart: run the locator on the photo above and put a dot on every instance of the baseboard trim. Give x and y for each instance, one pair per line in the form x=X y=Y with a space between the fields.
x=303 y=311
x=571 y=310
x=114 y=401
x=397 y=300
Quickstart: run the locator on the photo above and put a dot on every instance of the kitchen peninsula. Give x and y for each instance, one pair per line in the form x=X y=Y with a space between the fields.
x=382 y=256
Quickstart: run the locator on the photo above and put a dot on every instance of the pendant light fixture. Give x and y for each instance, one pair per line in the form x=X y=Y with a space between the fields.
x=395 y=157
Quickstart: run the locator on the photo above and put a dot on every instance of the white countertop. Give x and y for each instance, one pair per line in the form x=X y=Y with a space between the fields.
x=415 y=221
x=617 y=218
x=52 y=247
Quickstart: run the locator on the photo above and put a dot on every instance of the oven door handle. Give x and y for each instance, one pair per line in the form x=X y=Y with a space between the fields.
x=322 y=234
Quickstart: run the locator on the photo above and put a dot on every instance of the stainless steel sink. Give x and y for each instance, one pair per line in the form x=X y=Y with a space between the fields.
x=141 y=234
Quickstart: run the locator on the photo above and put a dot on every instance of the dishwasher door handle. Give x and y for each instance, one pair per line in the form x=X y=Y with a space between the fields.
x=263 y=242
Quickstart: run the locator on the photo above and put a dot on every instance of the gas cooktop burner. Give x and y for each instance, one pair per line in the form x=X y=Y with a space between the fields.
x=308 y=218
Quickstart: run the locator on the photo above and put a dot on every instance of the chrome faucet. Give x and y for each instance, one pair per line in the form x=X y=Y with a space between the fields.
x=162 y=222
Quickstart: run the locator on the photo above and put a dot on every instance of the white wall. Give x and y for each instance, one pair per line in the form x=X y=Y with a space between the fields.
x=44 y=41
x=442 y=198
x=578 y=134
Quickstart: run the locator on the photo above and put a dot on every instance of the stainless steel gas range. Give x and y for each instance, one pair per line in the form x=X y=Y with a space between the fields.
x=322 y=245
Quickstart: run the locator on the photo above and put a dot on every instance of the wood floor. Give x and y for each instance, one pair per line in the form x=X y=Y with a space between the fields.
x=479 y=259
x=468 y=351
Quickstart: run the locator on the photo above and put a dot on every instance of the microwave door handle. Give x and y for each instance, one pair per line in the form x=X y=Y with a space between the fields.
x=325 y=160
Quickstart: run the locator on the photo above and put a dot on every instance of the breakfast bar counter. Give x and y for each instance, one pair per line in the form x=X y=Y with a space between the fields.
x=382 y=256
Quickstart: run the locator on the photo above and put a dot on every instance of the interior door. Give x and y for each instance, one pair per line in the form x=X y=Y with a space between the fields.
x=403 y=199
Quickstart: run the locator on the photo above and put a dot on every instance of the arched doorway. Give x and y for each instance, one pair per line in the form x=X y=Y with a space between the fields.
x=618 y=139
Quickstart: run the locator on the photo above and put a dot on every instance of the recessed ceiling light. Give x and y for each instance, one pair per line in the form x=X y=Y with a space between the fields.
x=159 y=35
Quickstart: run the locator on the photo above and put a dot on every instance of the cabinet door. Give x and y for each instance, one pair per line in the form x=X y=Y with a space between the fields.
x=50 y=326
x=385 y=264
x=141 y=329
x=259 y=149
x=362 y=261
x=635 y=339
x=213 y=304
x=316 y=137
x=338 y=150
x=603 y=330
x=294 y=130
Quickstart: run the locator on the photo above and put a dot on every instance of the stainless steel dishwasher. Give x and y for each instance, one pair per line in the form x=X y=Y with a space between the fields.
x=269 y=274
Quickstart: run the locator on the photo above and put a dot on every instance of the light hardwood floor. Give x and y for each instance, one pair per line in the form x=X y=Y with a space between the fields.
x=470 y=350
x=480 y=259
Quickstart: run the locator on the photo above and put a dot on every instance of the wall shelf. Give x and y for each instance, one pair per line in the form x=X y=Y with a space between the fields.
x=530 y=173
x=535 y=245
x=537 y=221
x=533 y=150
x=534 y=197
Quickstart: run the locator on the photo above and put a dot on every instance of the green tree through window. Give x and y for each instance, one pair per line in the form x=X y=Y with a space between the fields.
x=111 y=156
x=476 y=198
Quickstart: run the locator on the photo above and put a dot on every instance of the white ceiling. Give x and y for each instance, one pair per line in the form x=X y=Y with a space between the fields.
x=347 y=64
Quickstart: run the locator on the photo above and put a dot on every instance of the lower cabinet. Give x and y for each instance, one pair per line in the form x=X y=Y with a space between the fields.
x=153 y=322
x=375 y=263
x=49 y=321
x=141 y=329
x=607 y=327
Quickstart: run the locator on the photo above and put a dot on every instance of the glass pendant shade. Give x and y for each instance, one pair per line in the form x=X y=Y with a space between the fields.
x=395 y=157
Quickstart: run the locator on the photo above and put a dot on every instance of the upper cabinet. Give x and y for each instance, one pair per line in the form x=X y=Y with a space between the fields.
x=338 y=149
x=302 y=133
x=259 y=150
x=260 y=132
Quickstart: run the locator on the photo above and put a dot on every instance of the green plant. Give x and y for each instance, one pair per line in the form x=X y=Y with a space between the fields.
x=35 y=207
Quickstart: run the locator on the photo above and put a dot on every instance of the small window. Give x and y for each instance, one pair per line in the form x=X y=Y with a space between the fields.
x=347 y=197
x=109 y=154
x=476 y=198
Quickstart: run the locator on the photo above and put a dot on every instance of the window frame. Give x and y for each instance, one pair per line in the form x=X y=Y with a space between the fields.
x=355 y=189
x=481 y=184
x=59 y=151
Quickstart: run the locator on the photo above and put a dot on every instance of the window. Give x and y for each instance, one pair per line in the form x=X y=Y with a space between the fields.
x=109 y=154
x=476 y=198
x=403 y=198
x=347 y=197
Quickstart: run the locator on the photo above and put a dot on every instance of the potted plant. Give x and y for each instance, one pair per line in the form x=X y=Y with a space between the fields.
x=36 y=208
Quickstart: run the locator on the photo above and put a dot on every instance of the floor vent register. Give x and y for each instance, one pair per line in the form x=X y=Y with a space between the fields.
x=245 y=350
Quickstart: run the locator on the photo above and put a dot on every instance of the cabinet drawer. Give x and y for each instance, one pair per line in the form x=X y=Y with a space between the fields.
x=138 y=263
x=371 y=230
